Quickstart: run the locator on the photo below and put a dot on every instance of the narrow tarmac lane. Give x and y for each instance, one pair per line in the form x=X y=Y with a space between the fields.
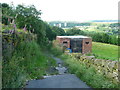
x=58 y=81
x=62 y=80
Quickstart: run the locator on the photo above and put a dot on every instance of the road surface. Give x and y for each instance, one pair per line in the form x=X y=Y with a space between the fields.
x=62 y=80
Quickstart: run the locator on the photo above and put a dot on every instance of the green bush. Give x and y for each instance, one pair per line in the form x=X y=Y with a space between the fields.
x=27 y=63
x=56 y=51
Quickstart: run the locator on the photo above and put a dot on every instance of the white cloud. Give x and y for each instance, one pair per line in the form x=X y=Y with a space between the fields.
x=74 y=10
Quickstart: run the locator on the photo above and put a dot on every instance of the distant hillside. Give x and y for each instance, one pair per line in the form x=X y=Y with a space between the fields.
x=104 y=21
x=63 y=24
x=70 y=24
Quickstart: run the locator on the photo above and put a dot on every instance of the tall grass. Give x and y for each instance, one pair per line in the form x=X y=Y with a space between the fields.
x=56 y=49
x=27 y=63
x=88 y=75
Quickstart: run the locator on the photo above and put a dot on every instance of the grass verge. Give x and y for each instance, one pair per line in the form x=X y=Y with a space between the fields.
x=88 y=75
x=27 y=62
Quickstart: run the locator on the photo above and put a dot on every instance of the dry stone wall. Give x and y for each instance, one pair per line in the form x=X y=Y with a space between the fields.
x=108 y=68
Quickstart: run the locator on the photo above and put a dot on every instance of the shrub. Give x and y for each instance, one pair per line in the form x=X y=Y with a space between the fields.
x=26 y=63
x=56 y=49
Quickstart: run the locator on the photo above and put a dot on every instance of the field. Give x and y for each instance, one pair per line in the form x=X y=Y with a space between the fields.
x=105 y=51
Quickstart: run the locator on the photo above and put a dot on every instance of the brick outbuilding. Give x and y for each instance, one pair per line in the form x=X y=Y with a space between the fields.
x=80 y=44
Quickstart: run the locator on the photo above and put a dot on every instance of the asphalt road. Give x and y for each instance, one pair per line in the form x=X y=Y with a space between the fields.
x=58 y=81
x=62 y=80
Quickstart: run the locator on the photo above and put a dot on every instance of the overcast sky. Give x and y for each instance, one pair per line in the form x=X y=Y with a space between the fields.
x=73 y=10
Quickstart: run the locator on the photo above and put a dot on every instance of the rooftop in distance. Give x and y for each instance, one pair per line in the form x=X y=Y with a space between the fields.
x=73 y=36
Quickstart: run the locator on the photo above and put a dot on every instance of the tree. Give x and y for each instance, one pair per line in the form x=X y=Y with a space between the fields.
x=49 y=33
x=105 y=38
x=74 y=31
x=7 y=13
x=58 y=31
x=29 y=17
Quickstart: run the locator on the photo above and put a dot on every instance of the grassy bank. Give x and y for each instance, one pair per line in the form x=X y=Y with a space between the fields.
x=88 y=75
x=28 y=62
x=105 y=51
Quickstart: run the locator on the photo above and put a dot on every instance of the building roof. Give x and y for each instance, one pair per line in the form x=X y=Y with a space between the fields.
x=73 y=36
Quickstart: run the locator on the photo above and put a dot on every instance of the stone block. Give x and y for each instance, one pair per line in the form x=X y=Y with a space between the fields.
x=110 y=69
x=109 y=75
x=116 y=80
x=97 y=62
x=90 y=57
x=116 y=65
x=104 y=71
x=115 y=74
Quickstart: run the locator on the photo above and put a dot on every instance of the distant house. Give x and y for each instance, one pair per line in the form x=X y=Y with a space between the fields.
x=79 y=44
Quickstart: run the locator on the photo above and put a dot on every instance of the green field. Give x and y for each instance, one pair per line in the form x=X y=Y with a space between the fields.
x=105 y=51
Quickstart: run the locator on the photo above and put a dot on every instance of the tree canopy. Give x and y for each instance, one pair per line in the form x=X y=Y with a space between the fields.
x=30 y=18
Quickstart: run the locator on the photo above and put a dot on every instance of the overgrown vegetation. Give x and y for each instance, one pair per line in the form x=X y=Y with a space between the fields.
x=28 y=18
x=28 y=62
x=88 y=75
x=56 y=49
